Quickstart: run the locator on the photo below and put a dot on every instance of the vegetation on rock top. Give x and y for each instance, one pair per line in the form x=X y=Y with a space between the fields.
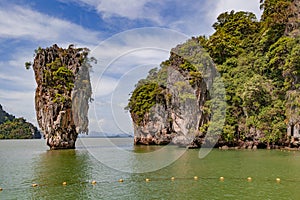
x=63 y=93
x=259 y=63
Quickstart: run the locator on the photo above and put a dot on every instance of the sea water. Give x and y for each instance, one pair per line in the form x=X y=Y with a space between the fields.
x=119 y=171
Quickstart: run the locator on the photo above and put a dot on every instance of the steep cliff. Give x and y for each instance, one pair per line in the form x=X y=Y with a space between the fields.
x=258 y=62
x=62 y=94
x=169 y=105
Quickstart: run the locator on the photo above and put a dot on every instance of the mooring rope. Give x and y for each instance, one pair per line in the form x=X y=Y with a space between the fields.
x=173 y=179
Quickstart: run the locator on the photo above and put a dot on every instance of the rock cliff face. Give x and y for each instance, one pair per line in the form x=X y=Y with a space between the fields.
x=178 y=108
x=62 y=94
x=293 y=24
x=293 y=95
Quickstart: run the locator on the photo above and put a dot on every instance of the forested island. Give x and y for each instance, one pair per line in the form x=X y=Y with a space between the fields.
x=258 y=62
x=16 y=128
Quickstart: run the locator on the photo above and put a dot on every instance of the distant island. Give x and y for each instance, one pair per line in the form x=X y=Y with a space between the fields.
x=94 y=134
x=16 y=128
x=258 y=63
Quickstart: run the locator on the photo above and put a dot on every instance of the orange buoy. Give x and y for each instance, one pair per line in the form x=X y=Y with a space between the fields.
x=64 y=183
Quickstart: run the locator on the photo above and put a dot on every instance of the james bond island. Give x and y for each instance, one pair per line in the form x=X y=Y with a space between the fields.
x=62 y=95
x=259 y=64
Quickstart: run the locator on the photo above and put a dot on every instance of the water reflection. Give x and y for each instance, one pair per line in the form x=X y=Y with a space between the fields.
x=52 y=168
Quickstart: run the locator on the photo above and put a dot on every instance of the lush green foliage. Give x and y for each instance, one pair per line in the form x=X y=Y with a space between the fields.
x=4 y=116
x=144 y=97
x=260 y=68
x=16 y=128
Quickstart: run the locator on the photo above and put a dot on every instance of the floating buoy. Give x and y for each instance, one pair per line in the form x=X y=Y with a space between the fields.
x=249 y=179
x=34 y=185
x=121 y=180
x=1 y=189
x=277 y=180
x=172 y=178
x=94 y=182
x=195 y=177
x=221 y=178
x=64 y=183
x=147 y=179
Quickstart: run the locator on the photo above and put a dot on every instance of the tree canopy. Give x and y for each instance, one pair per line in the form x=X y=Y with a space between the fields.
x=259 y=63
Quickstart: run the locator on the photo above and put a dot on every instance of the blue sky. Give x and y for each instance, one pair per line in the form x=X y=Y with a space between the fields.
x=127 y=37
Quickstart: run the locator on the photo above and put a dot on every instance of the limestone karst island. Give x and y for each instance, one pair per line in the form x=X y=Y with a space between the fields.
x=62 y=94
x=258 y=62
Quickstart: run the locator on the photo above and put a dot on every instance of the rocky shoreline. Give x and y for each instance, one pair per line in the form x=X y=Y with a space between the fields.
x=198 y=142
x=167 y=140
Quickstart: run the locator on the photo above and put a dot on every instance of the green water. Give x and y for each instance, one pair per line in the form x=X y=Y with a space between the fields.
x=24 y=162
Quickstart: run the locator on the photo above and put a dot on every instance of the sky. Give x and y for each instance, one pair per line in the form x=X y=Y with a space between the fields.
x=127 y=37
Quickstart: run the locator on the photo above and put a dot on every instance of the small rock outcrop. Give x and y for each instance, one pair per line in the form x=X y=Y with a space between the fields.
x=62 y=94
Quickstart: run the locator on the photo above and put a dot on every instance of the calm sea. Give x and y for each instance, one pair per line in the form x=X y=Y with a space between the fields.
x=106 y=161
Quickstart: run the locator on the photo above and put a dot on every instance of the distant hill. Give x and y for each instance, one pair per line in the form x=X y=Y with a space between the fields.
x=4 y=116
x=16 y=128
x=94 y=134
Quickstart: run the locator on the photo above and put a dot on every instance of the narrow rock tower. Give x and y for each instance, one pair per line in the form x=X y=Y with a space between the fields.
x=62 y=94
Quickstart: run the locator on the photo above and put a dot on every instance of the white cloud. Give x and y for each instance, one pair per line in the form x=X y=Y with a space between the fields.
x=17 y=87
x=106 y=119
x=185 y=16
x=18 y=103
x=20 y=22
x=103 y=86
x=129 y=49
x=190 y=17
x=13 y=71
x=131 y=9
